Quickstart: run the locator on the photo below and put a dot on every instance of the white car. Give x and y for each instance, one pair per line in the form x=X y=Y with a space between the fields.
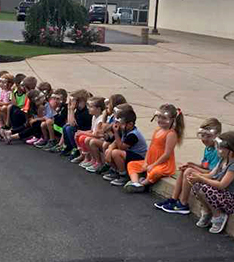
x=122 y=15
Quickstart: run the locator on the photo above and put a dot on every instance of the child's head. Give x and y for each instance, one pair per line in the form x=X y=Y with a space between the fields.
x=18 y=79
x=122 y=107
x=225 y=144
x=3 y=72
x=80 y=97
x=45 y=88
x=169 y=117
x=114 y=101
x=127 y=119
x=7 y=81
x=96 y=105
x=62 y=93
x=208 y=131
x=29 y=83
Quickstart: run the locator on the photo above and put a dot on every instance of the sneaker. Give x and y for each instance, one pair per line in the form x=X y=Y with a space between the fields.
x=134 y=187
x=77 y=160
x=176 y=208
x=65 y=152
x=119 y=181
x=6 y=136
x=40 y=143
x=218 y=223
x=93 y=168
x=165 y=202
x=56 y=149
x=32 y=140
x=113 y=174
x=205 y=220
x=103 y=169
x=85 y=164
x=51 y=143
x=74 y=154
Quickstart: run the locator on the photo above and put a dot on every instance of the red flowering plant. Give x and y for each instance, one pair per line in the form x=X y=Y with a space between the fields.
x=84 y=36
x=51 y=36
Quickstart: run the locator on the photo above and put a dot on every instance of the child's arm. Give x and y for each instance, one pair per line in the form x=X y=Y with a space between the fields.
x=120 y=145
x=222 y=184
x=71 y=113
x=171 y=142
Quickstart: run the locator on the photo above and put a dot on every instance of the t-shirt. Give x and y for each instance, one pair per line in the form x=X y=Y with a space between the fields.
x=5 y=96
x=60 y=118
x=20 y=99
x=83 y=119
x=222 y=171
x=211 y=158
x=136 y=142
x=95 y=122
x=49 y=111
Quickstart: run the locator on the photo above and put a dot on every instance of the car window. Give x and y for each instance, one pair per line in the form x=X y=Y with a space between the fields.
x=128 y=11
x=99 y=9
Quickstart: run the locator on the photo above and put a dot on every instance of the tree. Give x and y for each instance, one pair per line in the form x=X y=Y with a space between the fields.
x=57 y=14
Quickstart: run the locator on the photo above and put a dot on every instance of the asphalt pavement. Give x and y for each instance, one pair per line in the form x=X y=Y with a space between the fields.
x=54 y=211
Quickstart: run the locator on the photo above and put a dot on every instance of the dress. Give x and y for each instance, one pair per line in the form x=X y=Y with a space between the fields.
x=156 y=150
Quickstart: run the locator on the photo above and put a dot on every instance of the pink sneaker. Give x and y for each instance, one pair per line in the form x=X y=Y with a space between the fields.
x=38 y=141
x=32 y=140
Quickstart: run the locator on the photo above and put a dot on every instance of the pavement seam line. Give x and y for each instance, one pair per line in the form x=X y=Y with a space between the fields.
x=123 y=77
x=27 y=62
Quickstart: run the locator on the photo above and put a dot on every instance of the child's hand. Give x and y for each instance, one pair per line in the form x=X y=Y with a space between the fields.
x=194 y=178
x=183 y=167
x=150 y=167
x=72 y=104
x=78 y=133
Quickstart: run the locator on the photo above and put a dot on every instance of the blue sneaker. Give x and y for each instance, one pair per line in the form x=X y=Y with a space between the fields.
x=176 y=208
x=165 y=202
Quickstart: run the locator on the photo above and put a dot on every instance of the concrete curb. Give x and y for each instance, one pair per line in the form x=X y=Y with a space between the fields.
x=165 y=187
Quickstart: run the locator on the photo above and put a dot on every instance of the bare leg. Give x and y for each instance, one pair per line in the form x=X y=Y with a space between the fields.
x=178 y=186
x=44 y=130
x=134 y=177
x=95 y=146
x=186 y=187
x=119 y=157
x=49 y=123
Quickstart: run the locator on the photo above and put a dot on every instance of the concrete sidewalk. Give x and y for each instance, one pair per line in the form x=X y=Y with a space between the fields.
x=193 y=72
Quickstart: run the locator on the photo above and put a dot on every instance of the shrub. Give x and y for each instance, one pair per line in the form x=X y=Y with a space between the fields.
x=47 y=21
x=84 y=36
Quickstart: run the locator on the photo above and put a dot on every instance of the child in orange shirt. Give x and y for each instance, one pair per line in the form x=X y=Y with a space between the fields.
x=160 y=158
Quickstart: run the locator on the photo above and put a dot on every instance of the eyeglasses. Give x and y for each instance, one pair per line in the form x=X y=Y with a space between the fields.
x=164 y=116
x=206 y=133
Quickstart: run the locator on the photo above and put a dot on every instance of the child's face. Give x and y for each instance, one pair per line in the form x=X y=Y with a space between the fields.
x=93 y=110
x=207 y=136
x=81 y=104
x=164 y=120
x=4 y=84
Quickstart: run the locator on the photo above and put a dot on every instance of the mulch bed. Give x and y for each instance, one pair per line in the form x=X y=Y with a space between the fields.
x=9 y=59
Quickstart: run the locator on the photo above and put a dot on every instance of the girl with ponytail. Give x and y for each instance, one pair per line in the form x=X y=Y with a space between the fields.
x=160 y=158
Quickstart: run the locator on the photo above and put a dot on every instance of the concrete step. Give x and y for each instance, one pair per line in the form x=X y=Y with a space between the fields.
x=165 y=188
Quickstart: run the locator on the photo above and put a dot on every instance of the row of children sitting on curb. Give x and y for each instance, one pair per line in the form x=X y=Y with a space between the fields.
x=100 y=135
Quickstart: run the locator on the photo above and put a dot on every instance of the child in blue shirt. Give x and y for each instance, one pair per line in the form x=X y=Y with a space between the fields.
x=207 y=132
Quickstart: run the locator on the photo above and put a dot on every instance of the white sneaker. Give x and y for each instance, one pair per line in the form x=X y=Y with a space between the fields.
x=93 y=168
x=218 y=223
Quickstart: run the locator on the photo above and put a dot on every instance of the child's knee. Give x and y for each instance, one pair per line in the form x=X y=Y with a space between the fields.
x=49 y=121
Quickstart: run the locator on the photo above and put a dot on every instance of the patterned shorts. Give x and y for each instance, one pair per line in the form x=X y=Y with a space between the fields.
x=218 y=199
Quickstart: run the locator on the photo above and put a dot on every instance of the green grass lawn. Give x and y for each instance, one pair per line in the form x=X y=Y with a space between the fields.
x=8 y=48
x=4 y=16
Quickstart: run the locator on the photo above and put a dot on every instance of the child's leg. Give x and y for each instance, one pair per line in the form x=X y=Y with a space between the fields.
x=95 y=147
x=186 y=186
x=134 y=168
x=118 y=157
x=8 y=115
x=4 y=114
x=49 y=123
x=178 y=186
x=44 y=130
